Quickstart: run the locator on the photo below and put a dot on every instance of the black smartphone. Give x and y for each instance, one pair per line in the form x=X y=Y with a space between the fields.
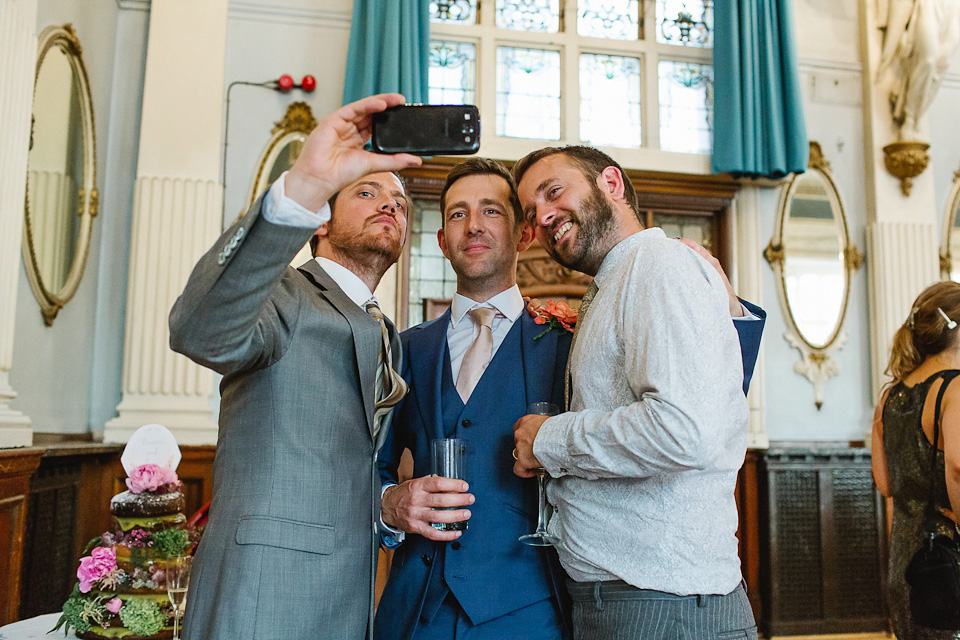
x=427 y=129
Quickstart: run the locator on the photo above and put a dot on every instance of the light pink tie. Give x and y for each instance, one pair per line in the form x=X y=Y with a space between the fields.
x=478 y=355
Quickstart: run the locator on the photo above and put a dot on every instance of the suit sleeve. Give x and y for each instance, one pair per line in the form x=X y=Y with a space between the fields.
x=240 y=305
x=750 y=331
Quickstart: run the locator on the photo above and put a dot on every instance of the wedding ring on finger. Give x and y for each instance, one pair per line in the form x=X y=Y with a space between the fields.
x=515 y=454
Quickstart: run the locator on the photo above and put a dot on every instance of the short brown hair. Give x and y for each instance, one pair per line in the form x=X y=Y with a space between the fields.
x=481 y=167
x=926 y=332
x=590 y=161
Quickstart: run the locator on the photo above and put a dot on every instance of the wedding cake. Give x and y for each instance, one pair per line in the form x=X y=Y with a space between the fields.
x=121 y=590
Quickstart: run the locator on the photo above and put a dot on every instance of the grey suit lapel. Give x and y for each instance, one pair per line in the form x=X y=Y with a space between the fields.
x=366 y=332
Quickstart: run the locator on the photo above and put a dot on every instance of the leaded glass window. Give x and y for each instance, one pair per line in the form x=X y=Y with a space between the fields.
x=686 y=106
x=529 y=15
x=453 y=11
x=685 y=22
x=431 y=275
x=613 y=19
x=453 y=72
x=528 y=93
x=610 y=100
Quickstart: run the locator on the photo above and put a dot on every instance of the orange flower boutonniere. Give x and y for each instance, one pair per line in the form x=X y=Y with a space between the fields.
x=555 y=315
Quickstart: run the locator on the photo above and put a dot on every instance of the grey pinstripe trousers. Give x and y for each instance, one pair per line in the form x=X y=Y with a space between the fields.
x=614 y=610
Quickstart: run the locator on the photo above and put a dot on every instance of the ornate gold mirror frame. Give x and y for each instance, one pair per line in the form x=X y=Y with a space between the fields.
x=51 y=297
x=950 y=240
x=816 y=359
x=284 y=146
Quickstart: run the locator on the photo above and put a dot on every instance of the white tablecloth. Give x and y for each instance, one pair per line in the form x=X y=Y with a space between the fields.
x=34 y=628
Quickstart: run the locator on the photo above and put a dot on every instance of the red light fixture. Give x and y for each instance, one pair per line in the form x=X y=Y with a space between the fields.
x=284 y=83
x=308 y=84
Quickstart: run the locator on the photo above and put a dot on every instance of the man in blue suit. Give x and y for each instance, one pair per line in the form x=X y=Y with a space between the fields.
x=481 y=584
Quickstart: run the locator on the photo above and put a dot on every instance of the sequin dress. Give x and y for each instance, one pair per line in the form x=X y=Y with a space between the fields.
x=907 y=454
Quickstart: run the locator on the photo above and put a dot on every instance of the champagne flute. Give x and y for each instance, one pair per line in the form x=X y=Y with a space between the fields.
x=178 y=579
x=540 y=537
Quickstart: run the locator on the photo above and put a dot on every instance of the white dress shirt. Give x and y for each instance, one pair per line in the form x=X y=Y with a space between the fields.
x=462 y=330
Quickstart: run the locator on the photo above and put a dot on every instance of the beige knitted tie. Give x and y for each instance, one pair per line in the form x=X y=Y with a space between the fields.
x=390 y=387
x=478 y=355
x=585 y=303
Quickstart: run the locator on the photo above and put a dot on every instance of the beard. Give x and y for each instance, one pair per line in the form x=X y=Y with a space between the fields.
x=365 y=252
x=594 y=239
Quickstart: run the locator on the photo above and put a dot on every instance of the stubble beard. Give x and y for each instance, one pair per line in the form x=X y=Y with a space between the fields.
x=363 y=252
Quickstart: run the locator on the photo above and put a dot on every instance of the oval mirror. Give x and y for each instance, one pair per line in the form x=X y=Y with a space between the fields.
x=61 y=199
x=283 y=148
x=814 y=261
x=950 y=241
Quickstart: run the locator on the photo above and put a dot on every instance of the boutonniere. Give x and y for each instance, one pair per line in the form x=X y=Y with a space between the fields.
x=555 y=315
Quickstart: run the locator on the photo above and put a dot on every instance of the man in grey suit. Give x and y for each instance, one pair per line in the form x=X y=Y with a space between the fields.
x=290 y=548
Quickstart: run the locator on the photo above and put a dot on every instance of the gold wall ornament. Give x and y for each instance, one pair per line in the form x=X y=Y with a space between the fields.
x=773 y=253
x=299 y=117
x=814 y=261
x=906 y=160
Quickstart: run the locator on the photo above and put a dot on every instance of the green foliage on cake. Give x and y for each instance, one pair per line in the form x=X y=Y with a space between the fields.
x=82 y=611
x=142 y=617
x=170 y=543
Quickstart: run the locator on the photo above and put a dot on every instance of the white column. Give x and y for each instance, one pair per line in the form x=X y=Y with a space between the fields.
x=748 y=283
x=18 y=58
x=902 y=249
x=176 y=216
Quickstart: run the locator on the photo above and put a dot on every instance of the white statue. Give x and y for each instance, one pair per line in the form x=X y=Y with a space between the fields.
x=918 y=38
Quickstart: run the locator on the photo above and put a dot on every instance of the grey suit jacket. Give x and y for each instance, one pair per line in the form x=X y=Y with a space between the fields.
x=289 y=550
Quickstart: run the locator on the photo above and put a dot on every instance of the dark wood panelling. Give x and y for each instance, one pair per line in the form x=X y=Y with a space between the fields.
x=748 y=531
x=16 y=467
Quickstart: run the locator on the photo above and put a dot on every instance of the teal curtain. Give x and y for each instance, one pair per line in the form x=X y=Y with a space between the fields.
x=389 y=45
x=758 y=112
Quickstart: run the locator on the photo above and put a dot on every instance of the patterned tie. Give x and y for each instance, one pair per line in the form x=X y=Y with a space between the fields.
x=478 y=355
x=390 y=387
x=581 y=314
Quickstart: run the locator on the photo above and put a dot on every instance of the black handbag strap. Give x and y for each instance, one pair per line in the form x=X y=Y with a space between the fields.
x=947 y=376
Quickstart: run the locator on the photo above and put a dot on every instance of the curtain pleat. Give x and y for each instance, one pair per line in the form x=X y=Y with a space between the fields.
x=389 y=48
x=759 y=128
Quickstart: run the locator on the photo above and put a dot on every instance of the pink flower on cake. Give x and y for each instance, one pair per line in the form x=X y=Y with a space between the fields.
x=150 y=477
x=101 y=562
x=556 y=315
x=113 y=606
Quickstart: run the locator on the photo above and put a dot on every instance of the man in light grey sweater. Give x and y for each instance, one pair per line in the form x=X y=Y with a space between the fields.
x=645 y=462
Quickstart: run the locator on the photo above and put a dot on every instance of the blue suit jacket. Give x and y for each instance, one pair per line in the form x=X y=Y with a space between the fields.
x=503 y=576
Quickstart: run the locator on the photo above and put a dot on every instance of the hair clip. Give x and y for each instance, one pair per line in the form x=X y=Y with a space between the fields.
x=951 y=324
x=910 y=316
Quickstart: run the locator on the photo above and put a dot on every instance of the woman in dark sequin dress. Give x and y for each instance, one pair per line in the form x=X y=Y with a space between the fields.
x=927 y=344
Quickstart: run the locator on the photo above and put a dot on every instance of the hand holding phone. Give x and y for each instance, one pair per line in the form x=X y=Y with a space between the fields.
x=427 y=129
x=333 y=155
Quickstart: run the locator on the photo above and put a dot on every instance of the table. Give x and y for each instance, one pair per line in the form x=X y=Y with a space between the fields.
x=34 y=628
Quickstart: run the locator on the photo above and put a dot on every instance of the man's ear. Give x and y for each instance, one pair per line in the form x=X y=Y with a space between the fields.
x=442 y=241
x=610 y=181
x=526 y=237
x=323 y=230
